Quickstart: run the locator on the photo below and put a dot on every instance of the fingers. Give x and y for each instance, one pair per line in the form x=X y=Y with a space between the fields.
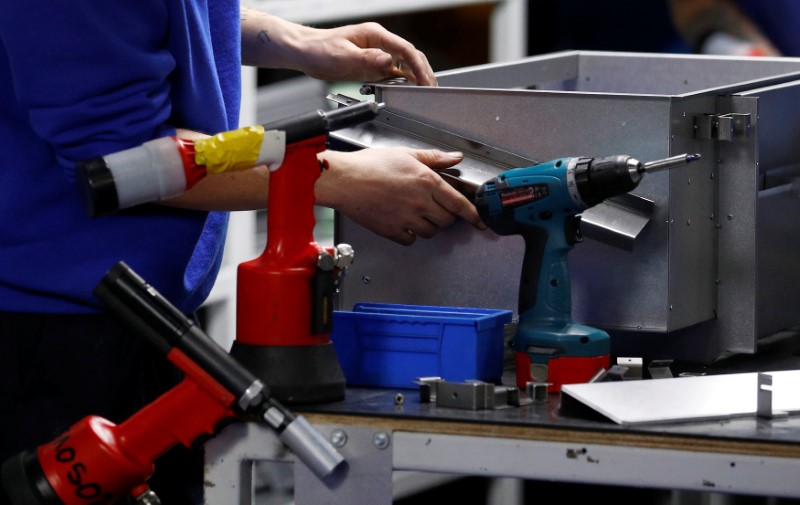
x=436 y=159
x=416 y=68
x=450 y=200
x=408 y=61
x=405 y=237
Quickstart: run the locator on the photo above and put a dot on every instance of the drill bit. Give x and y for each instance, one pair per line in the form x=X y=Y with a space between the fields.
x=667 y=163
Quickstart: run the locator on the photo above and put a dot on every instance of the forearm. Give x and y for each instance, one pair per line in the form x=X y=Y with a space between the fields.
x=269 y=41
x=359 y=52
x=227 y=191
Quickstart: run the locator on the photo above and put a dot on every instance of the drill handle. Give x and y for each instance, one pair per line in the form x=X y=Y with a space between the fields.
x=532 y=264
x=544 y=290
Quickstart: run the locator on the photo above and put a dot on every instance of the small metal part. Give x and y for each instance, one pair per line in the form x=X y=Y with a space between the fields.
x=598 y=376
x=341 y=99
x=471 y=395
x=427 y=388
x=325 y=262
x=399 y=399
x=764 y=399
x=149 y=497
x=344 y=255
x=659 y=369
x=252 y=395
x=339 y=438
x=274 y=417
x=633 y=366
x=381 y=440
x=537 y=391
x=614 y=374
x=724 y=127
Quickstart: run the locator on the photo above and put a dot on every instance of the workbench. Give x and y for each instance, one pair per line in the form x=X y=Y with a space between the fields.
x=378 y=435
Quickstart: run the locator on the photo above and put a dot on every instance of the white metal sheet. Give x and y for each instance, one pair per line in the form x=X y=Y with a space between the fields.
x=684 y=398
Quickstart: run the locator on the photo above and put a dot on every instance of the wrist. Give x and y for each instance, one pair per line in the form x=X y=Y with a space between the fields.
x=271 y=42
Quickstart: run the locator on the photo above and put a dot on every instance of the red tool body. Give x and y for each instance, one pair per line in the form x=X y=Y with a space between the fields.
x=98 y=462
x=285 y=296
x=275 y=288
x=284 y=307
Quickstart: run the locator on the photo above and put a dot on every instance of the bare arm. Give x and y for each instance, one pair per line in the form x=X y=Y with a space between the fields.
x=359 y=52
x=393 y=192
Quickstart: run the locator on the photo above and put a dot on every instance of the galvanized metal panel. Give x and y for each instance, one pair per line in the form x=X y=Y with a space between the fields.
x=777 y=234
x=662 y=296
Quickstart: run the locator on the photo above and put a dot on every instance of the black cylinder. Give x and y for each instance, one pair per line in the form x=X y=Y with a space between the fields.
x=146 y=310
x=25 y=483
x=96 y=187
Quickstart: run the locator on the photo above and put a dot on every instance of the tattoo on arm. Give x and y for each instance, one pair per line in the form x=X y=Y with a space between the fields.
x=263 y=37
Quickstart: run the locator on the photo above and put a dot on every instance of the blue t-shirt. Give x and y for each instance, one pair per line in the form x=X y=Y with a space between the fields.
x=81 y=79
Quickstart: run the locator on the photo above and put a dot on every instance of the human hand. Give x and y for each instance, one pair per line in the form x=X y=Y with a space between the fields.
x=364 y=52
x=357 y=52
x=394 y=192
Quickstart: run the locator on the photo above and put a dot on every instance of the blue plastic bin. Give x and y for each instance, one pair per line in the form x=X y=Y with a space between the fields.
x=391 y=345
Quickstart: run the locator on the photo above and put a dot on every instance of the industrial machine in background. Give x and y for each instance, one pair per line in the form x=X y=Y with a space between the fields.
x=542 y=204
x=285 y=302
x=696 y=263
x=99 y=462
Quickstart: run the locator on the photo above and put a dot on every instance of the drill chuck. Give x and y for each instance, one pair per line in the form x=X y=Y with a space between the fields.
x=600 y=178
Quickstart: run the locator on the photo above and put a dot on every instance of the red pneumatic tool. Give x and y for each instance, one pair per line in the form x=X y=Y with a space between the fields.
x=542 y=203
x=284 y=297
x=97 y=462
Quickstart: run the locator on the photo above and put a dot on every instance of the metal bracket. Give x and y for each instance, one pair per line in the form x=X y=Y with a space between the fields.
x=764 y=400
x=470 y=395
x=725 y=127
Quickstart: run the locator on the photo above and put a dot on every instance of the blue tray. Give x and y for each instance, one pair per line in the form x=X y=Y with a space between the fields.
x=392 y=345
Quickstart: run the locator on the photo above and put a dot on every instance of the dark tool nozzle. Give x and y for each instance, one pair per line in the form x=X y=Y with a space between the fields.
x=320 y=122
x=25 y=483
x=96 y=186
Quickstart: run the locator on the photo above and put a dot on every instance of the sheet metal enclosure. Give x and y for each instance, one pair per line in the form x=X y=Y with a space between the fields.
x=712 y=266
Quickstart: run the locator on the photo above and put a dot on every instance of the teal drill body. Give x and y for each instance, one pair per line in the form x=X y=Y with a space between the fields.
x=543 y=203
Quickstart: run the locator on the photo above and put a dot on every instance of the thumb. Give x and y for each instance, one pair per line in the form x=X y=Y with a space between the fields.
x=434 y=158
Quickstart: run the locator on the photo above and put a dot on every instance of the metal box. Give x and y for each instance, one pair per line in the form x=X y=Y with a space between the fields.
x=700 y=262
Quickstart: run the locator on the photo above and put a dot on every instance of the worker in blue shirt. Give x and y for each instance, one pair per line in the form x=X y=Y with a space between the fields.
x=82 y=79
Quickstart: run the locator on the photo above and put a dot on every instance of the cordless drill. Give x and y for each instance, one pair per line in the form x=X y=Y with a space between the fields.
x=542 y=203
